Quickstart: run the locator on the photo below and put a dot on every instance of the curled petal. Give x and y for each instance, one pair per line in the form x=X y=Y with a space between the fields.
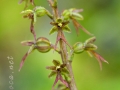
x=59 y=77
x=63 y=81
x=56 y=80
x=23 y=59
x=27 y=43
x=77 y=26
x=25 y=56
x=78 y=10
x=99 y=58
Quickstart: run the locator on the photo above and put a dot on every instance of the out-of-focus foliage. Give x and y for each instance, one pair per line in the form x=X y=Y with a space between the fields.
x=101 y=17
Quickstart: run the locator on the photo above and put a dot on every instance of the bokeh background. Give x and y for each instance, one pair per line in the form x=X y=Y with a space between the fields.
x=101 y=17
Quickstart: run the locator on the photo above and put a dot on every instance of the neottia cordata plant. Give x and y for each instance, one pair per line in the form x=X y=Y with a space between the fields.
x=59 y=21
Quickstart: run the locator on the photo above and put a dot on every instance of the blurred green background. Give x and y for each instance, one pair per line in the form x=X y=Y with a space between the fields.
x=101 y=17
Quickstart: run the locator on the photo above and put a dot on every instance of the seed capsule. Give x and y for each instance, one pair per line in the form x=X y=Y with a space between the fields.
x=43 y=45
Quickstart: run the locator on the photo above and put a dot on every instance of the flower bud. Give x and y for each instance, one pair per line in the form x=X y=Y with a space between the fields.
x=78 y=47
x=27 y=13
x=40 y=11
x=66 y=14
x=43 y=45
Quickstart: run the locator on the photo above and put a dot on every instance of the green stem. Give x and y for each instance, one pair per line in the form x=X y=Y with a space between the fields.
x=64 y=56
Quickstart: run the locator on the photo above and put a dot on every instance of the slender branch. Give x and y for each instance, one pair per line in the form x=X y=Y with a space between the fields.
x=55 y=10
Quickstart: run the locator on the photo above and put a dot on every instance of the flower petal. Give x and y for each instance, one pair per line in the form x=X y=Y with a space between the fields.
x=63 y=81
x=77 y=26
x=51 y=67
x=25 y=56
x=56 y=62
x=90 y=40
x=52 y=74
x=56 y=80
x=99 y=58
x=27 y=43
x=78 y=10
x=53 y=30
x=23 y=59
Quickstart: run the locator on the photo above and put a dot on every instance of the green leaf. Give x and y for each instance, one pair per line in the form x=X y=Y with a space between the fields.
x=53 y=30
x=67 y=29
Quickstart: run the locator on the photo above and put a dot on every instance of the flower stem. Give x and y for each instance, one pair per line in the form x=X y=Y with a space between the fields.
x=64 y=56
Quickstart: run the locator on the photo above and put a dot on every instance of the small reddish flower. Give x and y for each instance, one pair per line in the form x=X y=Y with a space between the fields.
x=58 y=26
x=58 y=70
x=74 y=15
x=42 y=45
x=90 y=48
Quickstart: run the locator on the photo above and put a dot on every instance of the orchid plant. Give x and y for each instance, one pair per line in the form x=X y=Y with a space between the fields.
x=60 y=21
